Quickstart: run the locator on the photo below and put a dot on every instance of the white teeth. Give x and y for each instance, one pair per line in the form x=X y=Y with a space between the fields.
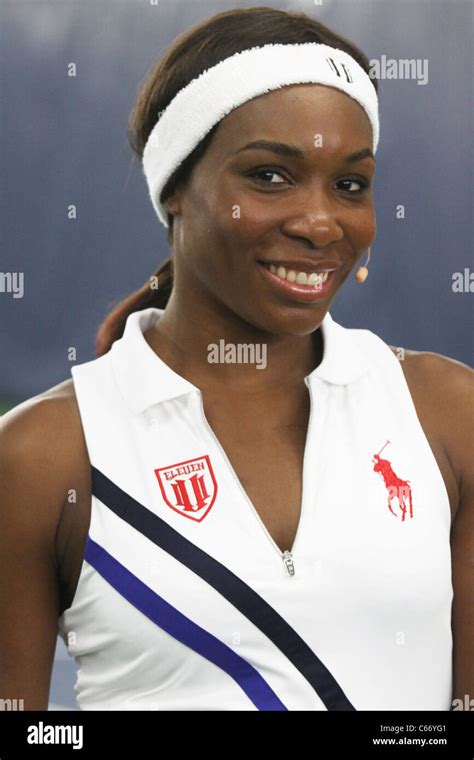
x=315 y=279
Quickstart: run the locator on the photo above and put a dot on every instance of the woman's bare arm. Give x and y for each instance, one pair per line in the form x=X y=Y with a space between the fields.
x=459 y=415
x=36 y=465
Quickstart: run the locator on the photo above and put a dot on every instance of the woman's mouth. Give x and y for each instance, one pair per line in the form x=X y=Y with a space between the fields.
x=304 y=286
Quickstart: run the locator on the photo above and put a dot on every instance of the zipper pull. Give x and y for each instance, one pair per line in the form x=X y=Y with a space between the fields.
x=287 y=558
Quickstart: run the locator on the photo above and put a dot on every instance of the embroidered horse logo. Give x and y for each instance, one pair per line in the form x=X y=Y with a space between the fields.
x=397 y=488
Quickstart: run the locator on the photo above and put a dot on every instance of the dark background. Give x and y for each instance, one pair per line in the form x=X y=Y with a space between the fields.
x=63 y=141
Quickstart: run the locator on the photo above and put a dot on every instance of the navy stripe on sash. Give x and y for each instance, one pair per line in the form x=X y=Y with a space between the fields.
x=181 y=627
x=229 y=585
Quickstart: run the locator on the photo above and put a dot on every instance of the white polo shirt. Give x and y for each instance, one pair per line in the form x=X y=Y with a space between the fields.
x=185 y=602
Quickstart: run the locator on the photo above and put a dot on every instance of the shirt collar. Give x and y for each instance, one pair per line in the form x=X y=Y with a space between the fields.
x=144 y=379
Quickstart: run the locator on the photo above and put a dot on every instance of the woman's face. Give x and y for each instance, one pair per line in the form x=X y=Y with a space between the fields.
x=308 y=210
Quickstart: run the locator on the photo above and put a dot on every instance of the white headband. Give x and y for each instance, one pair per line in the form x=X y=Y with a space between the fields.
x=213 y=94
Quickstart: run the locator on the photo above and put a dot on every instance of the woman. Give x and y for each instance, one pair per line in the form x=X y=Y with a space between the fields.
x=241 y=504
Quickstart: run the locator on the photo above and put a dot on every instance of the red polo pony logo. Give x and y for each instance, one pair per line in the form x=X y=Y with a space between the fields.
x=397 y=488
x=189 y=487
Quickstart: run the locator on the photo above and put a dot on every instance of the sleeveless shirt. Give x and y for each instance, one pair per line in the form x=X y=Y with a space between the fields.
x=184 y=600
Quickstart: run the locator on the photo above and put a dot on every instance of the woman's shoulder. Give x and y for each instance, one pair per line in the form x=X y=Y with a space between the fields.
x=442 y=389
x=436 y=372
x=45 y=482
x=42 y=437
x=50 y=417
x=43 y=454
x=445 y=387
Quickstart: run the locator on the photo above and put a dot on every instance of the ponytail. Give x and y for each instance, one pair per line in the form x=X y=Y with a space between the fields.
x=154 y=293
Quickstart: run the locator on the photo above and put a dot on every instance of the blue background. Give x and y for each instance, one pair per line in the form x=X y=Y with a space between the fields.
x=64 y=142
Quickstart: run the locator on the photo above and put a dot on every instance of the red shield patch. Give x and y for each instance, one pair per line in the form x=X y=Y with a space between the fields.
x=189 y=487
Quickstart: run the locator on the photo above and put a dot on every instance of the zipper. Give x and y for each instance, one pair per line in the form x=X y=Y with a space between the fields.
x=287 y=558
x=287 y=555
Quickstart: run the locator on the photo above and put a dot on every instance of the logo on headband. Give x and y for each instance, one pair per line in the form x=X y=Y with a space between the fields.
x=332 y=65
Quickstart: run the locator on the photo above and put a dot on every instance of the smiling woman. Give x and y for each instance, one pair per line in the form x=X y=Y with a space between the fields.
x=199 y=49
x=284 y=539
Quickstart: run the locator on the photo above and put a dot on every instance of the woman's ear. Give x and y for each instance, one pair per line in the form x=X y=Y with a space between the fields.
x=173 y=203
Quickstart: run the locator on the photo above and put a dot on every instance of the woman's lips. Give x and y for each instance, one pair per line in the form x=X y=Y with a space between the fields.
x=318 y=283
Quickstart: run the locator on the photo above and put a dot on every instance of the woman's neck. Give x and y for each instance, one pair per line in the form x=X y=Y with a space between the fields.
x=211 y=346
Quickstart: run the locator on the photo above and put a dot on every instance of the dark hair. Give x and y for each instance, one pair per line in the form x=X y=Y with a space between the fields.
x=191 y=53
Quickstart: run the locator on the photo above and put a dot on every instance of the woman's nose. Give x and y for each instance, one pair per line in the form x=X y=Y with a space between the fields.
x=313 y=216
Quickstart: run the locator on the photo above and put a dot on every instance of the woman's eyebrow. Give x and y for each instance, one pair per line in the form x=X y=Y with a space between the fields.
x=292 y=151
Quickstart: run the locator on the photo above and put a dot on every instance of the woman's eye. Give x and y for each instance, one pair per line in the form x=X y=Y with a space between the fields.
x=362 y=185
x=263 y=174
x=267 y=176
